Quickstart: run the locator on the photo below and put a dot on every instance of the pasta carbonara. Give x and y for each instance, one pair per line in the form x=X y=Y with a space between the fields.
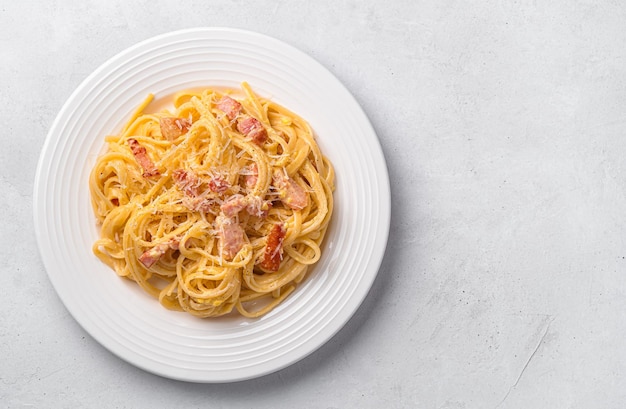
x=218 y=204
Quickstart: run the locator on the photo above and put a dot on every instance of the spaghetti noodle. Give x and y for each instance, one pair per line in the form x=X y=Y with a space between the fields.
x=218 y=204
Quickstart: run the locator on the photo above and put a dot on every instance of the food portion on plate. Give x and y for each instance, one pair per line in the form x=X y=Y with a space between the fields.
x=215 y=205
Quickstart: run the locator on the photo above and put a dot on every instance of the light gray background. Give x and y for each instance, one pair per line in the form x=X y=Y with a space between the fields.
x=503 y=124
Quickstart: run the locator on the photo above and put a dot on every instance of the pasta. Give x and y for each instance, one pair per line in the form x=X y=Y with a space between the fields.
x=217 y=205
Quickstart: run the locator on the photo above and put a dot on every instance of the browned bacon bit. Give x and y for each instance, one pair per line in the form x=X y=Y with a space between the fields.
x=151 y=256
x=252 y=128
x=274 y=248
x=291 y=194
x=229 y=106
x=173 y=127
x=218 y=184
x=187 y=181
x=231 y=236
x=115 y=201
x=252 y=175
x=141 y=156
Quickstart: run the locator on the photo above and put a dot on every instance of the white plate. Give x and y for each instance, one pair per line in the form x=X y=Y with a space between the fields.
x=136 y=327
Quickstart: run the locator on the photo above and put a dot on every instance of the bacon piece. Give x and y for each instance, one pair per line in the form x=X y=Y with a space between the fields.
x=252 y=128
x=254 y=205
x=218 y=184
x=187 y=181
x=274 y=248
x=229 y=106
x=291 y=194
x=231 y=236
x=234 y=204
x=151 y=256
x=115 y=201
x=173 y=127
x=190 y=183
x=252 y=175
x=141 y=156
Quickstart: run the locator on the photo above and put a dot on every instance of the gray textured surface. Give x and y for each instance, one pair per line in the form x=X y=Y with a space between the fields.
x=504 y=280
